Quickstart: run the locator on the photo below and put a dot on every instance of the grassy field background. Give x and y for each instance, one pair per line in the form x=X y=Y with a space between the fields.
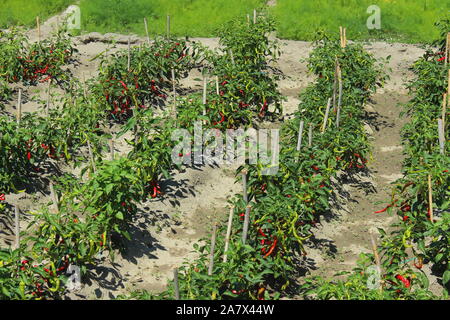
x=24 y=12
x=401 y=20
x=188 y=17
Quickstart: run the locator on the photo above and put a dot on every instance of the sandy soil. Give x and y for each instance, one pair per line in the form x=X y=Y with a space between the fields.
x=166 y=228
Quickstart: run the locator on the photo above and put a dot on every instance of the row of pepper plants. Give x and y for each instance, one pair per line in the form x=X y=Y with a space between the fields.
x=416 y=240
x=94 y=215
x=285 y=207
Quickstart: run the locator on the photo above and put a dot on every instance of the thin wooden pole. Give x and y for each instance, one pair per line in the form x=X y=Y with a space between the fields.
x=310 y=135
x=447 y=47
x=325 y=119
x=54 y=197
x=168 y=26
x=217 y=85
x=246 y=223
x=341 y=36
x=227 y=238
x=91 y=156
x=146 y=30
x=175 y=284
x=205 y=92
x=19 y=106
x=244 y=187
x=47 y=105
x=375 y=254
x=38 y=28
x=444 y=107
x=129 y=56
x=213 y=248
x=231 y=56
x=300 y=135
x=174 y=91
x=111 y=149
x=338 y=113
x=248 y=19
x=335 y=83
x=254 y=16
x=17 y=226
x=430 y=198
x=441 y=135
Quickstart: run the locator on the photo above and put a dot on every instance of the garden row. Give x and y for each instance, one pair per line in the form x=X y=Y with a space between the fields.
x=420 y=199
x=93 y=213
x=256 y=254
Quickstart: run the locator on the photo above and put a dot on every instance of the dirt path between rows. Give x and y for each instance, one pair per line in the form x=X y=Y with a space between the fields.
x=166 y=228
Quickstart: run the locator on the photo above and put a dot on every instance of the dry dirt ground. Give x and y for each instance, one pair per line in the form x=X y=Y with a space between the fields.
x=166 y=228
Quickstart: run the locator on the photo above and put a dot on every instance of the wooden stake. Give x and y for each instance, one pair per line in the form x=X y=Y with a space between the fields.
x=248 y=19
x=217 y=85
x=254 y=16
x=175 y=284
x=19 y=106
x=246 y=223
x=430 y=198
x=375 y=254
x=444 y=107
x=447 y=48
x=174 y=91
x=91 y=156
x=325 y=119
x=231 y=56
x=335 y=83
x=129 y=56
x=338 y=112
x=213 y=248
x=111 y=149
x=146 y=30
x=341 y=35
x=204 y=100
x=244 y=187
x=310 y=134
x=300 y=135
x=38 y=28
x=54 y=197
x=168 y=26
x=441 y=135
x=227 y=238
x=47 y=105
x=17 y=226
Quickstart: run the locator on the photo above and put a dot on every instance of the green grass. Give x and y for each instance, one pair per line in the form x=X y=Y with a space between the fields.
x=401 y=20
x=188 y=17
x=24 y=12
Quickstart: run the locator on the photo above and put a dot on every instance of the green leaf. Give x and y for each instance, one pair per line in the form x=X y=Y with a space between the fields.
x=119 y=215
x=446 y=277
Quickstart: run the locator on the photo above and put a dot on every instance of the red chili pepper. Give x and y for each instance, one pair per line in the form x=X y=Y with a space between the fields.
x=222 y=120
x=405 y=218
x=123 y=85
x=272 y=247
x=28 y=155
x=405 y=281
x=262 y=233
x=2 y=197
x=315 y=168
x=263 y=108
x=406 y=208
